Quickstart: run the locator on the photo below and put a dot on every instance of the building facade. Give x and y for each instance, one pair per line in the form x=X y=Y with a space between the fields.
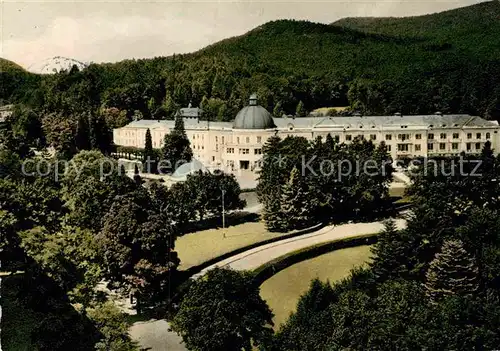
x=237 y=145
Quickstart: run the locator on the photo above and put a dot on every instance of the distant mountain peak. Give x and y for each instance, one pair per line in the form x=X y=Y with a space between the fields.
x=55 y=65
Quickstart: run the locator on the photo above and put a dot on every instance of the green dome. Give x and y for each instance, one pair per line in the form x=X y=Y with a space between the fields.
x=253 y=116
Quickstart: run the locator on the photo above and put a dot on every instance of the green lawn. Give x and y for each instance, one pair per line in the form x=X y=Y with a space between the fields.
x=397 y=192
x=196 y=248
x=282 y=291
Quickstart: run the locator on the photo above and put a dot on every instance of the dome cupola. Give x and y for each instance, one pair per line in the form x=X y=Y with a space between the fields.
x=253 y=116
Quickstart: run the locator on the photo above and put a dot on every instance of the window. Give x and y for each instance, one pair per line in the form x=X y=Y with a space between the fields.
x=454 y=146
x=468 y=146
x=213 y=158
x=403 y=137
x=418 y=136
x=237 y=140
x=244 y=151
x=478 y=146
x=442 y=146
x=455 y=135
x=430 y=146
x=388 y=137
x=216 y=139
x=222 y=140
x=259 y=139
x=248 y=140
x=418 y=147
x=361 y=137
x=442 y=135
x=469 y=135
x=230 y=150
x=337 y=138
x=488 y=135
x=478 y=135
x=257 y=151
x=348 y=137
x=402 y=147
x=373 y=137
x=430 y=136
x=388 y=147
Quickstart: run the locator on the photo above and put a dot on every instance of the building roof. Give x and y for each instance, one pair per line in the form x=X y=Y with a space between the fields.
x=253 y=116
x=257 y=117
x=356 y=122
x=190 y=112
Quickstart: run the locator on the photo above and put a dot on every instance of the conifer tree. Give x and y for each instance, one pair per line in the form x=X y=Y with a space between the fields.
x=301 y=110
x=176 y=147
x=272 y=214
x=296 y=205
x=451 y=272
x=82 y=134
x=137 y=176
x=149 y=167
x=389 y=253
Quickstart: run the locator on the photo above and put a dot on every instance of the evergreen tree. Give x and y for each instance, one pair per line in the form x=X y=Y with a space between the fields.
x=452 y=272
x=329 y=143
x=296 y=205
x=149 y=159
x=179 y=126
x=301 y=110
x=82 y=139
x=390 y=256
x=137 y=176
x=271 y=213
x=176 y=147
x=93 y=137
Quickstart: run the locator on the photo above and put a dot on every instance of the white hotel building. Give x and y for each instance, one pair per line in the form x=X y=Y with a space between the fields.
x=238 y=145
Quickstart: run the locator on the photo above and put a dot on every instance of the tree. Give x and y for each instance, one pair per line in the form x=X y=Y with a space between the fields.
x=206 y=191
x=300 y=111
x=452 y=272
x=137 y=176
x=223 y=311
x=149 y=157
x=113 y=328
x=296 y=205
x=176 y=147
x=82 y=137
x=137 y=246
x=390 y=256
x=272 y=214
x=68 y=257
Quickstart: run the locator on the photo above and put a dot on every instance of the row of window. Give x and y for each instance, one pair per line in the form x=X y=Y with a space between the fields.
x=404 y=137
x=430 y=146
x=230 y=150
x=247 y=140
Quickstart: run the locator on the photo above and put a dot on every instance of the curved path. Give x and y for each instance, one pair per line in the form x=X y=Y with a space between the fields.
x=254 y=258
x=155 y=335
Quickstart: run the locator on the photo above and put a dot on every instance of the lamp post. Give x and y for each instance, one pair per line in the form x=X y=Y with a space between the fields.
x=223 y=215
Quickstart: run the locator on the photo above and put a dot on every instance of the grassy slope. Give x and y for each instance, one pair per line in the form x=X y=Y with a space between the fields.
x=282 y=291
x=199 y=247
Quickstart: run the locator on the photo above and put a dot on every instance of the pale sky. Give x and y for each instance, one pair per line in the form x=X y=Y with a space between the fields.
x=108 y=31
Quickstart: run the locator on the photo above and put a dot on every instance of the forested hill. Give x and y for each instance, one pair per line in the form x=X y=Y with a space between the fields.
x=448 y=61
